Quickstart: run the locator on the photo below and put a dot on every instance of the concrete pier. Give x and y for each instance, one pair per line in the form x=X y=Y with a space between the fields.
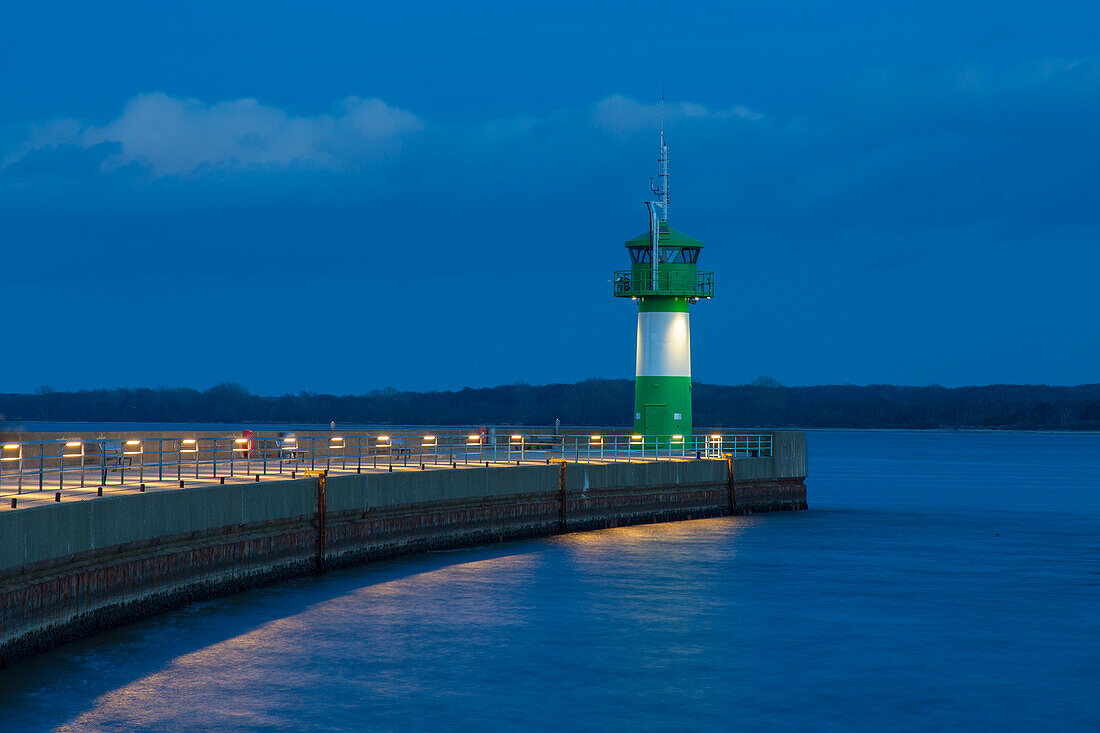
x=72 y=568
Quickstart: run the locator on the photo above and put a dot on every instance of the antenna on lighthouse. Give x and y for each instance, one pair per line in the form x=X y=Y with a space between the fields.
x=661 y=187
x=658 y=209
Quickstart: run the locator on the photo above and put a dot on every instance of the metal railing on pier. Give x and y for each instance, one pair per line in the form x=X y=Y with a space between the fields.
x=31 y=466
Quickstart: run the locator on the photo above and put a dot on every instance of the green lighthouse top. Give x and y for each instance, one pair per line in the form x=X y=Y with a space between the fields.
x=663 y=260
x=672 y=246
x=676 y=274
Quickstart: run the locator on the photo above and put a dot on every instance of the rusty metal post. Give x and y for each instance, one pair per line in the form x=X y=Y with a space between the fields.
x=321 y=522
x=732 y=490
x=564 y=496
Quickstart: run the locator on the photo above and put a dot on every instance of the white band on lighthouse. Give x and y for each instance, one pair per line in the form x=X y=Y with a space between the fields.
x=664 y=345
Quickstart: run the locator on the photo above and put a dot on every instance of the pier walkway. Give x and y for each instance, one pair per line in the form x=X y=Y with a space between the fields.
x=83 y=467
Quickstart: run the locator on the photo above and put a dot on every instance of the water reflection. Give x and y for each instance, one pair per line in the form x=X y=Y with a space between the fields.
x=934 y=579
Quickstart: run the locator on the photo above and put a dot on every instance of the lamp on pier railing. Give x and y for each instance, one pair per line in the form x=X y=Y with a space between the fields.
x=187 y=446
x=336 y=442
x=429 y=441
x=131 y=448
x=715 y=446
x=516 y=441
x=595 y=440
x=673 y=441
x=72 y=449
x=12 y=453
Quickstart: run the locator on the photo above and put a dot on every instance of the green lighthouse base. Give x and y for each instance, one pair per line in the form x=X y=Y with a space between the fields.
x=662 y=406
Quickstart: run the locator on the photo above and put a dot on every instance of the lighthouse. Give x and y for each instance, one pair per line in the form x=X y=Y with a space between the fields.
x=665 y=281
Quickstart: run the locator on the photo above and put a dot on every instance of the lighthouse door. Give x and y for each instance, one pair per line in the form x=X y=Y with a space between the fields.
x=656 y=419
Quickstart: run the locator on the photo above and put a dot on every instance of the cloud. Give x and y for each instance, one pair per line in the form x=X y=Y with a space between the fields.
x=621 y=114
x=172 y=136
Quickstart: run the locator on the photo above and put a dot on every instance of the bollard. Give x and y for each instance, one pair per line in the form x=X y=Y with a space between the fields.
x=57 y=496
x=517 y=461
x=13 y=502
x=182 y=483
x=222 y=479
x=486 y=464
x=99 y=492
x=421 y=466
x=454 y=464
x=293 y=474
x=547 y=461
x=391 y=468
x=141 y=488
x=257 y=478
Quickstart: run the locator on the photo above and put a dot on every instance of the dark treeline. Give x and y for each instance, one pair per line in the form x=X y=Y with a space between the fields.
x=764 y=403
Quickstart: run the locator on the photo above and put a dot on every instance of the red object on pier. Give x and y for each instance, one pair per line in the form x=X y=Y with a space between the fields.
x=248 y=434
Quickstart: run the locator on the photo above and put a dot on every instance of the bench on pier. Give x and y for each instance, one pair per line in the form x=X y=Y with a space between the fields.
x=108 y=453
x=542 y=442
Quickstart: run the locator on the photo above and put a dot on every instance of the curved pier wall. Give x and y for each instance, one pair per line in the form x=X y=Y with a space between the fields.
x=74 y=568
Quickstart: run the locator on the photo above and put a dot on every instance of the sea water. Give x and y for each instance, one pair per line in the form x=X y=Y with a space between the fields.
x=938 y=581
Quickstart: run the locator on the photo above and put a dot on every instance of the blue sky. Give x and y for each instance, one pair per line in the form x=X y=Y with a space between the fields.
x=344 y=197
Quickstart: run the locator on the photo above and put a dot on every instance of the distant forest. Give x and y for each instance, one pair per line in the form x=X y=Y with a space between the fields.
x=602 y=402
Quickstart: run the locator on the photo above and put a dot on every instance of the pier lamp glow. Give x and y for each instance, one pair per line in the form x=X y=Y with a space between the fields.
x=665 y=280
x=383 y=440
x=132 y=448
x=595 y=440
x=73 y=449
x=12 y=453
x=429 y=441
x=240 y=444
x=188 y=446
x=336 y=442
x=516 y=441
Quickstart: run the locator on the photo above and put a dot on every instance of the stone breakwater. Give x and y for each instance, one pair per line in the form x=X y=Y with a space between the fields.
x=72 y=569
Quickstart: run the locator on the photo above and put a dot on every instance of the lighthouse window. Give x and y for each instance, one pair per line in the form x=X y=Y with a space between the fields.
x=640 y=254
x=679 y=255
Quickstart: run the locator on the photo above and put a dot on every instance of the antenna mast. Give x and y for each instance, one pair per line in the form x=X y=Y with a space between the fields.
x=658 y=209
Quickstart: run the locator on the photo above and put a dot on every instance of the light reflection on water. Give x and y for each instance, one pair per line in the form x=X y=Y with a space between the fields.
x=934 y=580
